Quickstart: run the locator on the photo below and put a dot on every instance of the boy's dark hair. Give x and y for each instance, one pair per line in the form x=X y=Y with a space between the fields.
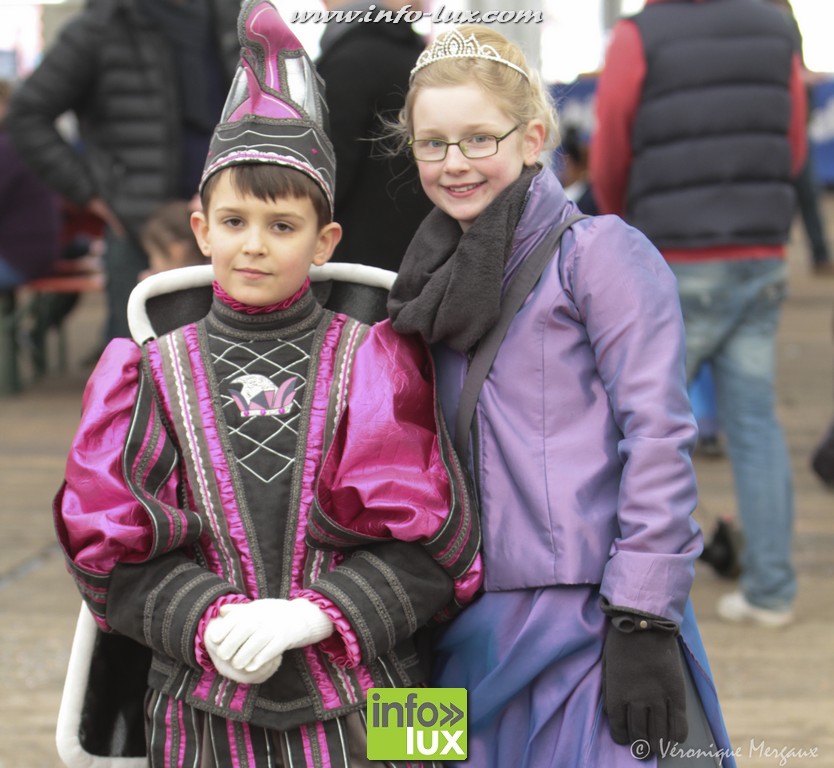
x=268 y=181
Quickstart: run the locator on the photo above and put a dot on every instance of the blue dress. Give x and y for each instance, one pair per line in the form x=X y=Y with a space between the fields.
x=531 y=662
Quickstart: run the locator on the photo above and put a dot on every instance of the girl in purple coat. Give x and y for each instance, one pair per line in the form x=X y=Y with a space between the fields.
x=583 y=649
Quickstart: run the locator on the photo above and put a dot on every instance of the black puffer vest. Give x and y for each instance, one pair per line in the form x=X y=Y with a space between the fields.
x=711 y=157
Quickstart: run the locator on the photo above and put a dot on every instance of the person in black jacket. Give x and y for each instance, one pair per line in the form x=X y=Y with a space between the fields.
x=146 y=80
x=366 y=66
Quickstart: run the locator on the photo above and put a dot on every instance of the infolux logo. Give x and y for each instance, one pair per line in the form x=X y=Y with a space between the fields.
x=416 y=723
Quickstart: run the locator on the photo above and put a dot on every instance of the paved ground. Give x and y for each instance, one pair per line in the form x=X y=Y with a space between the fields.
x=777 y=688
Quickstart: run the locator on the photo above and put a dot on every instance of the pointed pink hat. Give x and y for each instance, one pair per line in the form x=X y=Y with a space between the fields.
x=275 y=111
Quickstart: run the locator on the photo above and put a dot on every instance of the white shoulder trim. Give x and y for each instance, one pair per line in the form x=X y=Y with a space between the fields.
x=157 y=285
x=354 y=273
x=195 y=277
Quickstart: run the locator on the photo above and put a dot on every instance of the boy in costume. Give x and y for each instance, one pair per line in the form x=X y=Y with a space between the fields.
x=267 y=498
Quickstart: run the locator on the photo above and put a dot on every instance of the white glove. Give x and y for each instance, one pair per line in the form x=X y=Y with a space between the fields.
x=242 y=676
x=252 y=635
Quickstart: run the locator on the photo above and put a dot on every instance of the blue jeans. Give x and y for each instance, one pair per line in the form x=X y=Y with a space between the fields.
x=731 y=312
x=702 y=397
x=10 y=277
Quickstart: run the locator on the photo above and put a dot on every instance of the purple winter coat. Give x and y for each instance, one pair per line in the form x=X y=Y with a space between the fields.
x=584 y=425
x=29 y=216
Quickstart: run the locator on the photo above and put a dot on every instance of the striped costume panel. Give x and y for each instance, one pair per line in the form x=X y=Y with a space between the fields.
x=149 y=460
x=456 y=544
x=188 y=399
x=180 y=736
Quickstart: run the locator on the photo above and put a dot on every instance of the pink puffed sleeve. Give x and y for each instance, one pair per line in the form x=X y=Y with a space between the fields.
x=391 y=472
x=118 y=502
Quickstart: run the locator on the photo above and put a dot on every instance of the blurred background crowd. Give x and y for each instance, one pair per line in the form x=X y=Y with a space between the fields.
x=107 y=106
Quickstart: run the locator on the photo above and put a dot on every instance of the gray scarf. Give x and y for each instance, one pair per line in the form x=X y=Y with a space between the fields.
x=449 y=285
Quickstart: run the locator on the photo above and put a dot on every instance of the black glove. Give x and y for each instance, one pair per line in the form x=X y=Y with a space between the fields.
x=642 y=682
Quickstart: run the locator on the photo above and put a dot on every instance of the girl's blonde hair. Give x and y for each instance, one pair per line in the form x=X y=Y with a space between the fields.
x=522 y=98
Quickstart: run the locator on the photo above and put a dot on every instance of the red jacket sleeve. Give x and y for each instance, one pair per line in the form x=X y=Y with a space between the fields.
x=617 y=99
x=798 y=130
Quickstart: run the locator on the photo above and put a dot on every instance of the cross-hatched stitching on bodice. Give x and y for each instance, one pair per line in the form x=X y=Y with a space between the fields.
x=262 y=388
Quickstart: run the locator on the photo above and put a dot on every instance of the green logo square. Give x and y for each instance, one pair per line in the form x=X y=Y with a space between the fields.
x=417 y=723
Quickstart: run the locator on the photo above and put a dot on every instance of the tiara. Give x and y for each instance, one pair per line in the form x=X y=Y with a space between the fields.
x=453 y=45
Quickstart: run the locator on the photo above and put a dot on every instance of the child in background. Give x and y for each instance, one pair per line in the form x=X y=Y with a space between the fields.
x=574 y=177
x=583 y=649
x=168 y=240
x=267 y=498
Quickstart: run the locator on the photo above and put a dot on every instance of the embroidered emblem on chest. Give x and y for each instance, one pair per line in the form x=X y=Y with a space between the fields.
x=258 y=396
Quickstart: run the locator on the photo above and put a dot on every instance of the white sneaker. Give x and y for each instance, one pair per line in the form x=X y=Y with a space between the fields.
x=735 y=607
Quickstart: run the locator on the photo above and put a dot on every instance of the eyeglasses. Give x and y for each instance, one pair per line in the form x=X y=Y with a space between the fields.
x=474 y=147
